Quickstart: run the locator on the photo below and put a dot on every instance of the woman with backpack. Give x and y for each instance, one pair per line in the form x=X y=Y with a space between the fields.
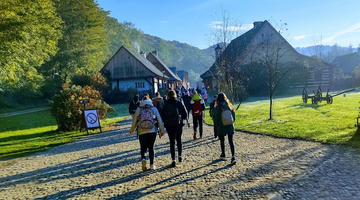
x=147 y=120
x=174 y=112
x=224 y=125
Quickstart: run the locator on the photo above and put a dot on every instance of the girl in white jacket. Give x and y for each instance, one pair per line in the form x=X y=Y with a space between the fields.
x=147 y=136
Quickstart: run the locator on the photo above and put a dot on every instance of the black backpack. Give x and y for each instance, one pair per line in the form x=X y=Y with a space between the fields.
x=159 y=106
x=171 y=114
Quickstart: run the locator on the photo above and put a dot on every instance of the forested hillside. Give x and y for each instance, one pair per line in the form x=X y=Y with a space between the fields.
x=172 y=53
x=60 y=41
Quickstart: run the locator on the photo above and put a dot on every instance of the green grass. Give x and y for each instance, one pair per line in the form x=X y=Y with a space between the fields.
x=26 y=134
x=326 y=123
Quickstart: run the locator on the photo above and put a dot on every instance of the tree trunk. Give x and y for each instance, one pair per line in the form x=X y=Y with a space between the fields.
x=271 y=107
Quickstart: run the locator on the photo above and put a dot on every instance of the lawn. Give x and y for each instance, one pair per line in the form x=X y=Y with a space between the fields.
x=326 y=123
x=26 y=134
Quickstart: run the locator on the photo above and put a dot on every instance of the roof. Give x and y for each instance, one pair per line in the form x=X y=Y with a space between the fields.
x=239 y=45
x=348 y=62
x=147 y=64
x=173 y=77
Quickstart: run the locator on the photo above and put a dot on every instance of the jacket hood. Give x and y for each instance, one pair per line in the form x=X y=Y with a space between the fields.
x=146 y=102
x=157 y=99
x=196 y=97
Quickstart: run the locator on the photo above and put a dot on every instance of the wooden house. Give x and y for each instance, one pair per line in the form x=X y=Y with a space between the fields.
x=247 y=49
x=129 y=69
x=173 y=81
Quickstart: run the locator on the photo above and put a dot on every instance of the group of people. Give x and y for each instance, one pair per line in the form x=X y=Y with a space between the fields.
x=153 y=116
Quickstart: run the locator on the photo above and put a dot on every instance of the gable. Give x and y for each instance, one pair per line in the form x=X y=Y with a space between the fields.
x=126 y=64
x=160 y=66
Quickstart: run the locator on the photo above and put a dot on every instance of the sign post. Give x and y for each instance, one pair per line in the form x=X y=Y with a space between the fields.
x=90 y=118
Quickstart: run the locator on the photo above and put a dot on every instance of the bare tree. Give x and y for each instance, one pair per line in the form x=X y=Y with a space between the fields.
x=272 y=53
x=227 y=68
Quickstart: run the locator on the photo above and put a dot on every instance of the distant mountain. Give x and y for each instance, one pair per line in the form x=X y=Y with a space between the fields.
x=325 y=52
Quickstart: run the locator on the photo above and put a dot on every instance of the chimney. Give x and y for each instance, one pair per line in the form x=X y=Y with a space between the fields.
x=156 y=53
x=143 y=54
x=256 y=24
x=217 y=51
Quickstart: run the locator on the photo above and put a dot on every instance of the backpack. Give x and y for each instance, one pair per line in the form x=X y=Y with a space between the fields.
x=145 y=119
x=226 y=117
x=197 y=110
x=159 y=106
x=171 y=115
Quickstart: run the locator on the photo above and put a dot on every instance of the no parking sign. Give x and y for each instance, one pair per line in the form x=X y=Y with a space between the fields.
x=92 y=119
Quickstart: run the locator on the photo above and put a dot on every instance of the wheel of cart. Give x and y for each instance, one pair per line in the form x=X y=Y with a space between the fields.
x=329 y=99
x=319 y=94
x=305 y=96
x=314 y=101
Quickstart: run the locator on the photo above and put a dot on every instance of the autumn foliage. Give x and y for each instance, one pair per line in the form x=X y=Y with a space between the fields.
x=67 y=110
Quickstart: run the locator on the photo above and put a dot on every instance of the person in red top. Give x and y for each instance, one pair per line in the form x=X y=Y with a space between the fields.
x=197 y=107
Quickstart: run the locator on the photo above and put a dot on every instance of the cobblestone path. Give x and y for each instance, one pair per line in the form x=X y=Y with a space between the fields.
x=107 y=166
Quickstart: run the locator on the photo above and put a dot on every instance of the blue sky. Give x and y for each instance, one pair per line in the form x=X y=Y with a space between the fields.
x=190 y=21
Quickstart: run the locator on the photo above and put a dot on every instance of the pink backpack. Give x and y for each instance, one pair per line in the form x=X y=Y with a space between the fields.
x=145 y=119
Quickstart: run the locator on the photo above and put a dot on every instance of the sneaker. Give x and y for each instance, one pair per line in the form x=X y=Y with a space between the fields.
x=152 y=167
x=143 y=164
x=222 y=157
x=233 y=160
x=173 y=164
x=180 y=159
x=194 y=135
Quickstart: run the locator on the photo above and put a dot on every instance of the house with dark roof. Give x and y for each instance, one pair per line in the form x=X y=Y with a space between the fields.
x=173 y=80
x=247 y=49
x=347 y=63
x=129 y=69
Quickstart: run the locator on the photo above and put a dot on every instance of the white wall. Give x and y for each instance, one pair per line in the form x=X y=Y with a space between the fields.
x=125 y=84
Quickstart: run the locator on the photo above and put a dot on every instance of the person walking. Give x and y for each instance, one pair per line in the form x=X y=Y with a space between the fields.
x=174 y=112
x=134 y=104
x=187 y=99
x=147 y=120
x=211 y=112
x=158 y=102
x=197 y=108
x=223 y=127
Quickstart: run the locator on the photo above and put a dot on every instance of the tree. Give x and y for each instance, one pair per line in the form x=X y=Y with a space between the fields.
x=229 y=69
x=29 y=31
x=277 y=57
x=83 y=47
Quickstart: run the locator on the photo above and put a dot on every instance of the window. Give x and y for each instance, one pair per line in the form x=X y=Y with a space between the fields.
x=140 y=85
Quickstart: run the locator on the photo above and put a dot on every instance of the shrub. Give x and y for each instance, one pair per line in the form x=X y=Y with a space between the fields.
x=97 y=80
x=67 y=110
x=120 y=96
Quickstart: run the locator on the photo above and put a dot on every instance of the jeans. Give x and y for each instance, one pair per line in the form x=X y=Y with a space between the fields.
x=175 y=133
x=222 y=144
x=147 y=141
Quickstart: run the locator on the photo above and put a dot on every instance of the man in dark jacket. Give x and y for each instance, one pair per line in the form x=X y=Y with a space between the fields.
x=174 y=112
x=187 y=99
x=211 y=112
x=134 y=104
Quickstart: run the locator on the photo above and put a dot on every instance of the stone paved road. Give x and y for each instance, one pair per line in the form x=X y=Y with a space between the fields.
x=107 y=166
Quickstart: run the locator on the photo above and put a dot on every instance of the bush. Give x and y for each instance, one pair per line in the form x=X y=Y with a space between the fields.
x=120 y=96
x=67 y=110
x=97 y=80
